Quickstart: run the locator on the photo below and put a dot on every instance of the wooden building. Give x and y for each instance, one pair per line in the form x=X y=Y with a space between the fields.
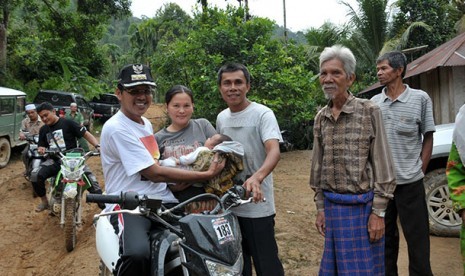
x=441 y=73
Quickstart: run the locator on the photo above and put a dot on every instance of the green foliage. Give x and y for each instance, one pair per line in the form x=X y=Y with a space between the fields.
x=55 y=44
x=281 y=78
x=433 y=13
x=80 y=45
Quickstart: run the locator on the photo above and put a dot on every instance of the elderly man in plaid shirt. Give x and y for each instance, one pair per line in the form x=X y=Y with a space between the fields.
x=352 y=172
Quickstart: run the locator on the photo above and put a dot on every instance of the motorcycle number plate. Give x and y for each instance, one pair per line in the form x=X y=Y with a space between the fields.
x=223 y=230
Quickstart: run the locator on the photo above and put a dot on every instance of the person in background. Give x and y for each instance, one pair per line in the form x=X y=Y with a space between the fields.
x=352 y=172
x=29 y=126
x=182 y=136
x=256 y=128
x=74 y=114
x=129 y=161
x=455 y=172
x=61 y=133
x=408 y=120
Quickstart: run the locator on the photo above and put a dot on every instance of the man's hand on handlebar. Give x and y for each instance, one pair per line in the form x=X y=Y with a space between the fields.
x=253 y=184
x=41 y=150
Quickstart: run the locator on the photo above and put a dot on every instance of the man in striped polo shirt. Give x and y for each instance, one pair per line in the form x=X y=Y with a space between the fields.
x=408 y=120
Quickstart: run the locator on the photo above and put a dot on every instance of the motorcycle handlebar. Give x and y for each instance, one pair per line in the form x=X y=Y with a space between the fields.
x=131 y=200
x=97 y=198
x=127 y=200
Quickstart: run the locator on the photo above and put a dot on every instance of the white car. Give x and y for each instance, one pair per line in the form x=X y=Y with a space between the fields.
x=442 y=218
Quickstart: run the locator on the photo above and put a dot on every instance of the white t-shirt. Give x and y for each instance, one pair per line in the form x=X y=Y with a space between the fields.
x=127 y=148
x=252 y=127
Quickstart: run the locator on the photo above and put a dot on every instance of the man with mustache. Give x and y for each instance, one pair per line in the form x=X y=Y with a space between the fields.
x=130 y=156
x=256 y=128
x=352 y=172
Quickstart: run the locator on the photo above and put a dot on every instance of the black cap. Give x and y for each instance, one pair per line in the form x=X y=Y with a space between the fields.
x=135 y=74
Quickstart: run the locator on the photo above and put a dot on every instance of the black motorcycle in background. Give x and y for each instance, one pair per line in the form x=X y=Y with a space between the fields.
x=32 y=156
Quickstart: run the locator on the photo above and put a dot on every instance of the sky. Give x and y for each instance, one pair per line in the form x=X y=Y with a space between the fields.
x=300 y=14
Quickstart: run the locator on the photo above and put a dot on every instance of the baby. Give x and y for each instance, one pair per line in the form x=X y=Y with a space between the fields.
x=190 y=158
x=201 y=158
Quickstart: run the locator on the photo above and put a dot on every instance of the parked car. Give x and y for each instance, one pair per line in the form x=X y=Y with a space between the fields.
x=105 y=106
x=61 y=101
x=12 y=103
x=443 y=220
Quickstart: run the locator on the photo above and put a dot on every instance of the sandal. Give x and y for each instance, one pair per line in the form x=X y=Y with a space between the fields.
x=42 y=207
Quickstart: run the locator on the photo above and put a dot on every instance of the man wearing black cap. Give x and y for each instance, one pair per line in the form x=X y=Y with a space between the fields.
x=129 y=155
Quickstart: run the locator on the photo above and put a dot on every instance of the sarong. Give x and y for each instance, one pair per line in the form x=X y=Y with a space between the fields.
x=348 y=250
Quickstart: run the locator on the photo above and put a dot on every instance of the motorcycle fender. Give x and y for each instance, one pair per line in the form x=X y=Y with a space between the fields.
x=34 y=173
x=160 y=247
x=35 y=163
x=107 y=242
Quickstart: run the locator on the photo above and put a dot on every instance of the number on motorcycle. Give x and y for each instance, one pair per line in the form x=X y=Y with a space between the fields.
x=223 y=230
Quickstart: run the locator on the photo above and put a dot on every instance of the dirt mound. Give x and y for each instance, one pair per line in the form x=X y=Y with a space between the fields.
x=157 y=116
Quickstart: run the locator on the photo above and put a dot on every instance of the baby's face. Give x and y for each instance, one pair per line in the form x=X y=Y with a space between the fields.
x=211 y=142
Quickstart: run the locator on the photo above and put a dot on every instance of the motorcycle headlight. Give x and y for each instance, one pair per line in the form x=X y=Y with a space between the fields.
x=72 y=175
x=217 y=269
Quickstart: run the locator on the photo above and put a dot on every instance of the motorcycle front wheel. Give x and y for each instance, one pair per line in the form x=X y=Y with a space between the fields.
x=70 y=223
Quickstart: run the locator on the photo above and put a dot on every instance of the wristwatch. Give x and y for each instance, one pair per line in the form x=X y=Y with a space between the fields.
x=379 y=212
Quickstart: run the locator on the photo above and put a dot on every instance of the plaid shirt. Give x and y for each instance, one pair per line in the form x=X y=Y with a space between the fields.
x=351 y=155
x=32 y=127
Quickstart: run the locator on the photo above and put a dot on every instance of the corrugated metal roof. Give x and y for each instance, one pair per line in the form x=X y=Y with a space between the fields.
x=451 y=53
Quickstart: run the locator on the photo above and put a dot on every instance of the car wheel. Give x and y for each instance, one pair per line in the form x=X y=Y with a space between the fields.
x=443 y=220
x=5 y=152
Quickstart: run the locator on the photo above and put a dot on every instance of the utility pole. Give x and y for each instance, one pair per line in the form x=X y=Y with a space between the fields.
x=285 y=27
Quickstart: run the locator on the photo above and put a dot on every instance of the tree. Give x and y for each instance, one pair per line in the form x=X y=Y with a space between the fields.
x=5 y=8
x=432 y=13
x=46 y=35
x=373 y=34
x=458 y=12
x=319 y=38
x=281 y=75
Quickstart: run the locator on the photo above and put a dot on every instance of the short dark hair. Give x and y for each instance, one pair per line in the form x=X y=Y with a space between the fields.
x=223 y=137
x=176 y=90
x=45 y=106
x=233 y=67
x=396 y=60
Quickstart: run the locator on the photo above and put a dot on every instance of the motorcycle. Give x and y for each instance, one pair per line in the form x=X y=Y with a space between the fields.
x=32 y=155
x=66 y=189
x=208 y=243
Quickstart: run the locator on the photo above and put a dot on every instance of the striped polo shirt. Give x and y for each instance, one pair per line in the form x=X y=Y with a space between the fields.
x=406 y=120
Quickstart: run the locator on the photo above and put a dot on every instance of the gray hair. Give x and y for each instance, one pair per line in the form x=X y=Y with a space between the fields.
x=341 y=53
x=395 y=59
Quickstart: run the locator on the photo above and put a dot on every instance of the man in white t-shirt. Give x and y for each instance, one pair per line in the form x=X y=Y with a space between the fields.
x=256 y=128
x=129 y=154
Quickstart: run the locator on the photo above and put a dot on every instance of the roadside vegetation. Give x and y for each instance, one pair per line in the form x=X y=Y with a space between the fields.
x=79 y=46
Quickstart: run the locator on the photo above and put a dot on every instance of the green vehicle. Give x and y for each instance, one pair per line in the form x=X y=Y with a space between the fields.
x=12 y=103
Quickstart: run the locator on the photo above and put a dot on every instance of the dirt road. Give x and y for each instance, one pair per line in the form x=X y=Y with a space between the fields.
x=33 y=243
